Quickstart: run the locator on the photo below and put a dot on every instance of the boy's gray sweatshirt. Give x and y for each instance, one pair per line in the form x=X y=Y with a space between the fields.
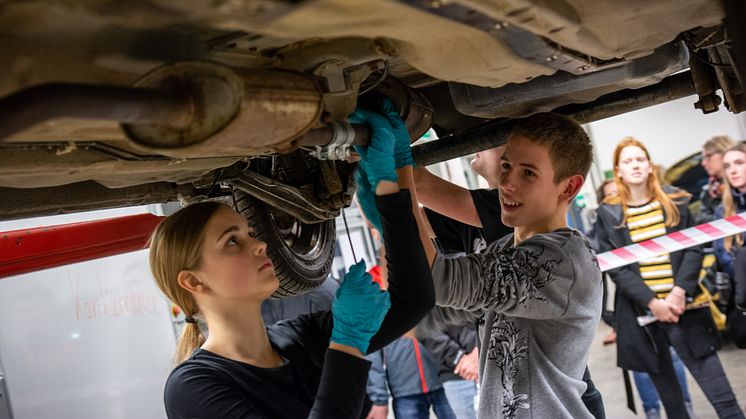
x=538 y=305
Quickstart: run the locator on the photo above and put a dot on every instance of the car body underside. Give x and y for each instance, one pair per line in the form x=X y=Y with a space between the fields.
x=112 y=103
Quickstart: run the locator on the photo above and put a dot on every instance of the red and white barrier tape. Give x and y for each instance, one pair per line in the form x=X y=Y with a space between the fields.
x=682 y=239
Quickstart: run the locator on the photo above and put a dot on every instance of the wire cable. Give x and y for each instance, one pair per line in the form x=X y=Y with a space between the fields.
x=347 y=229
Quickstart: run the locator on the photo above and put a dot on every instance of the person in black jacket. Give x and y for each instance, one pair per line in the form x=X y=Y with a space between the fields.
x=666 y=287
x=457 y=351
x=206 y=260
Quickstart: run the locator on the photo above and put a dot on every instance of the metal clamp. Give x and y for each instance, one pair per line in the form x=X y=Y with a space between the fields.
x=339 y=147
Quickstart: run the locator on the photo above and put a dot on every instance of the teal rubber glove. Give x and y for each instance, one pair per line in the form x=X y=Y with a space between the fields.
x=402 y=141
x=377 y=159
x=358 y=309
x=366 y=199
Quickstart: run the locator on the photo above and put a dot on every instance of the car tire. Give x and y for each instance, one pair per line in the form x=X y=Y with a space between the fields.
x=302 y=254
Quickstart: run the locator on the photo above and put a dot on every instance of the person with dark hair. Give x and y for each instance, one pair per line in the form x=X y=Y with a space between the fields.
x=207 y=261
x=666 y=286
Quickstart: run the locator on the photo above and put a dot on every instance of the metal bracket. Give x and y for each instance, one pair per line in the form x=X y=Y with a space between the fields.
x=285 y=197
x=339 y=147
x=343 y=80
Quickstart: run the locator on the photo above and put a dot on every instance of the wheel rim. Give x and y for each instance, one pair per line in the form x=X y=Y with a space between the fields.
x=306 y=241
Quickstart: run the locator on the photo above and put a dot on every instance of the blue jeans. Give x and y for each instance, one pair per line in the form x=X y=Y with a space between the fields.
x=646 y=388
x=417 y=406
x=460 y=394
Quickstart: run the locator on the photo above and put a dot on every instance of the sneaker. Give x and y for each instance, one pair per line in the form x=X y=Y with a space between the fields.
x=653 y=414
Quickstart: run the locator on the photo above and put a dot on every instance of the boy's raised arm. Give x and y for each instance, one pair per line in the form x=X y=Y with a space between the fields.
x=406 y=181
x=445 y=198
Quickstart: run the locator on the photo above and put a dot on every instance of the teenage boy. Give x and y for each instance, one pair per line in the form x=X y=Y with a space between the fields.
x=480 y=207
x=536 y=292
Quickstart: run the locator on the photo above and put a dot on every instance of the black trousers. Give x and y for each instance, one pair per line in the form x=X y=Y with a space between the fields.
x=606 y=315
x=667 y=383
x=739 y=277
x=707 y=371
x=592 y=397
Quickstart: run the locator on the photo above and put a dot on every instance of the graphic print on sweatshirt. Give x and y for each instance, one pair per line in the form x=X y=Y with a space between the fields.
x=506 y=350
x=591 y=250
x=478 y=245
x=516 y=275
x=511 y=274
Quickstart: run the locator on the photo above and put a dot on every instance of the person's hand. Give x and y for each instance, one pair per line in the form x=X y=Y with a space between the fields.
x=468 y=366
x=358 y=309
x=378 y=412
x=662 y=311
x=676 y=300
x=377 y=158
x=402 y=141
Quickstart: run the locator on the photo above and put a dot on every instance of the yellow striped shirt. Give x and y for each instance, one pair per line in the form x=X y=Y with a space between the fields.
x=647 y=222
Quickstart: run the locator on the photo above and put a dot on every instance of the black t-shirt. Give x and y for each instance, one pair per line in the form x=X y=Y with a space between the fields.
x=454 y=237
x=211 y=386
x=313 y=382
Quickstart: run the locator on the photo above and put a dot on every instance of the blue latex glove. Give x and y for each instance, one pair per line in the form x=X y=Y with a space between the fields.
x=377 y=159
x=366 y=199
x=358 y=309
x=402 y=141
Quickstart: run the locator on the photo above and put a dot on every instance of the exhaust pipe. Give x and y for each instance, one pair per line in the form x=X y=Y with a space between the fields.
x=183 y=110
x=29 y=107
x=198 y=109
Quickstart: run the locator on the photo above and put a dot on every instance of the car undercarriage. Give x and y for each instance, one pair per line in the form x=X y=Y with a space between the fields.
x=106 y=104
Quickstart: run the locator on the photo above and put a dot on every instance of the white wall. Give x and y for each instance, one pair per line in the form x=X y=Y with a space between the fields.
x=88 y=340
x=93 y=339
x=670 y=131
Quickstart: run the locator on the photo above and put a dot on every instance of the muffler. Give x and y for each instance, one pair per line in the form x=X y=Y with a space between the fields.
x=236 y=113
